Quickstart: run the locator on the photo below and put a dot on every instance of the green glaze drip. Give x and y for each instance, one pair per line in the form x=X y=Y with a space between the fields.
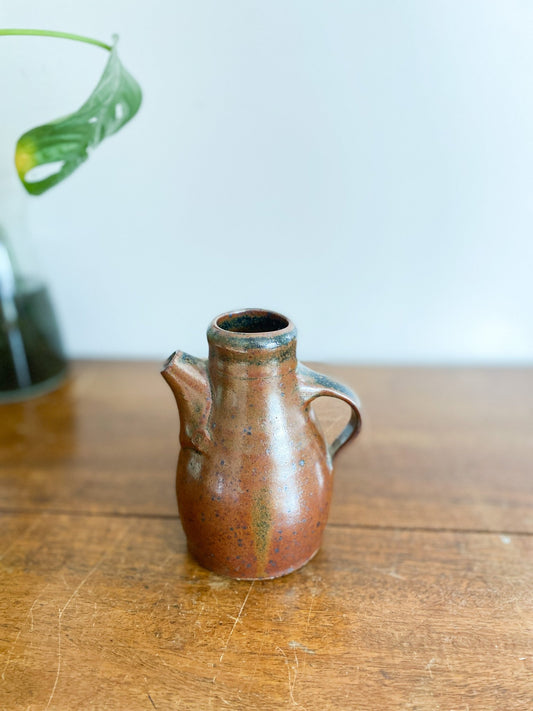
x=261 y=523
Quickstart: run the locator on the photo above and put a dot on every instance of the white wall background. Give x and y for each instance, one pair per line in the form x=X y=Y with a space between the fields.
x=364 y=167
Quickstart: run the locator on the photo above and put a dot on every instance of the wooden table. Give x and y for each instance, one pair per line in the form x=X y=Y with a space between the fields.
x=421 y=598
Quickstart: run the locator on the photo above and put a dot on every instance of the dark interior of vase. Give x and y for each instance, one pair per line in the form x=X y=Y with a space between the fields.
x=252 y=322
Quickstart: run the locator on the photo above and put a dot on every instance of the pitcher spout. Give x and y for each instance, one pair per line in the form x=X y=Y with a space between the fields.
x=188 y=379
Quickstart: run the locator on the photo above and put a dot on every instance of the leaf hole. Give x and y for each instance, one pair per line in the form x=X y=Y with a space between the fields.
x=119 y=112
x=42 y=172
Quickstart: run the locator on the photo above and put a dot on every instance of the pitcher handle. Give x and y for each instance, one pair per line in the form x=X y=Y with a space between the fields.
x=313 y=385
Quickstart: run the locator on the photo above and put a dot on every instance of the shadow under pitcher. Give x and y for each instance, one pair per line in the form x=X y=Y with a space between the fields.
x=255 y=473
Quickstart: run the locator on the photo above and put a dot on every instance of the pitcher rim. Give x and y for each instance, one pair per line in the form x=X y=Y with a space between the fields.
x=257 y=337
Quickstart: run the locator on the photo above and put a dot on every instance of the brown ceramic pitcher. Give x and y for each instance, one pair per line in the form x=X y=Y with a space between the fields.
x=255 y=473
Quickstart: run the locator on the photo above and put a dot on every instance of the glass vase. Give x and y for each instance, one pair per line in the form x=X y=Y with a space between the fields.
x=32 y=359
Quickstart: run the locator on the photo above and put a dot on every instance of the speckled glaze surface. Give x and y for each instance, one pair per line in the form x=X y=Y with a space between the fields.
x=255 y=473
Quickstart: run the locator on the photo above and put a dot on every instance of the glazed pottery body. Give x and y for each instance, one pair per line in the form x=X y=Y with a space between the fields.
x=254 y=476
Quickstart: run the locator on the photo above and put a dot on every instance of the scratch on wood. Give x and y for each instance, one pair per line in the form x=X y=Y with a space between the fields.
x=31 y=614
x=295 y=671
x=391 y=572
x=13 y=646
x=163 y=592
x=58 y=656
x=152 y=701
x=164 y=563
x=95 y=613
x=292 y=679
x=197 y=621
x=297 y=645
x=65 y=607
x=334 y=424
x=309 y=613
x=12 y=649
x=237 y=619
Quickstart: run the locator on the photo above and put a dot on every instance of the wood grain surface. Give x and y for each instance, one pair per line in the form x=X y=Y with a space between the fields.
x=421 y=597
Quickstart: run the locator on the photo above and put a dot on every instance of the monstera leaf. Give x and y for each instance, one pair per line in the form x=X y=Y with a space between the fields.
x=48 y=154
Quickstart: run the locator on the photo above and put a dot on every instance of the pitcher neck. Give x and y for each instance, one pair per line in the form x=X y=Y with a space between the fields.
x=252 y=343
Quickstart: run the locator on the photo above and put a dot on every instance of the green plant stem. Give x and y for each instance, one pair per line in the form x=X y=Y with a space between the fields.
x=52 y=33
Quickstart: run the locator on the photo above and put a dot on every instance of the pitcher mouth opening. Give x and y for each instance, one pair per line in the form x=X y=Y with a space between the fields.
x=252 y=321
x=248 y=329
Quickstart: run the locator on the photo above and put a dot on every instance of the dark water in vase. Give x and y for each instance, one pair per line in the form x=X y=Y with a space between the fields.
x=31 y=352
